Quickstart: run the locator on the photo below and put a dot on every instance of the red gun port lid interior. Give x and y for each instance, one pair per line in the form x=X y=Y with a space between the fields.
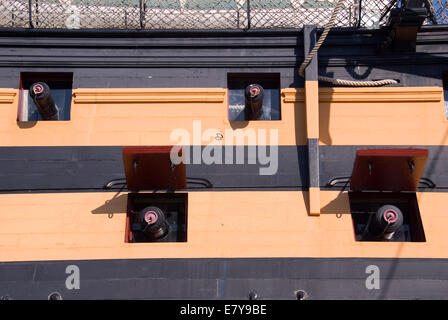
x=396 y=169
x=150 y=168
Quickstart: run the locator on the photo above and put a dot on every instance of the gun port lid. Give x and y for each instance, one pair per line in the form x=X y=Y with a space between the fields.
x=151 y=168
x=394 y=169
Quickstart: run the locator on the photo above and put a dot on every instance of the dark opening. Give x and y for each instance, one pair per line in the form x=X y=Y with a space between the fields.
x=363 y=205
x=301 y=295
x=253 y=295
x=174 y=207
x=237 y=84
x=60 y=84
x=55 y=296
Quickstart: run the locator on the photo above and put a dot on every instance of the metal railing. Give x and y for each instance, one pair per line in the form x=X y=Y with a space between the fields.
x=196 y=14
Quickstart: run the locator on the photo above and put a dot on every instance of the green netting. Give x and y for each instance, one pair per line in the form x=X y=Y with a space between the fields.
x=211 y=4
x=263 y=4
x=318 y=4
x=163 y=4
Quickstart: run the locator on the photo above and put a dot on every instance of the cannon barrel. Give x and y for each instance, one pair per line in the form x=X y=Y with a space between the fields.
x=384 y=223
x=153 y=223
x=40 y=93
x=253 y=94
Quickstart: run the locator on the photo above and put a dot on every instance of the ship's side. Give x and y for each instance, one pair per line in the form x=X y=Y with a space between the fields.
x=248 y=231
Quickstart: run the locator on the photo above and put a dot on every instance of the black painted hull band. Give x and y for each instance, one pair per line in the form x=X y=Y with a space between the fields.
x=89 y=168
x=272 y=278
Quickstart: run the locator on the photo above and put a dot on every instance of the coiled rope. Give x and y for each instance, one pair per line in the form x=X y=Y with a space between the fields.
x=342 y=82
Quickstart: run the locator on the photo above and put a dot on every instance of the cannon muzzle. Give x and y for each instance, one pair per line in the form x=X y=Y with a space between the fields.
x=40 y=92
x=253 y=94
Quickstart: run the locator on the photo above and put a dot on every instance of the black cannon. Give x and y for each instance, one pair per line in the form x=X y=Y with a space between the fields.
x=253 y=109
x=384 y=223
x=153 y=223
x=40 y=93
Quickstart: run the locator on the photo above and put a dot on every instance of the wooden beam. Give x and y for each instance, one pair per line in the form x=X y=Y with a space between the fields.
x=312 y=119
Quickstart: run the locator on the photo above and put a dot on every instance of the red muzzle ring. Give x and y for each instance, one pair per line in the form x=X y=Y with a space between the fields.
x=254 y=91
x=390 y=216
x=38 y=89
x=151 y=216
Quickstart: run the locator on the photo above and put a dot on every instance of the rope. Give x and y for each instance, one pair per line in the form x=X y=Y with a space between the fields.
x=391 y=35
x=321 y=40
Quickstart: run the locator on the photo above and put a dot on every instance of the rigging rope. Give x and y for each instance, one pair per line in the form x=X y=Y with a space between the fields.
x=321 y=40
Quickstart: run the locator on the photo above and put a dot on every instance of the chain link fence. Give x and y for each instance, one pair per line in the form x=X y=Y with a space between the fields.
x=196 y=14
x=440 y=10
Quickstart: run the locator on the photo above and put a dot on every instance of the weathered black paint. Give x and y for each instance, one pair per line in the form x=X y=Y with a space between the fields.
x=82 y=168
x=227 y=278
x=309 y=40
x=311 y=74
x=90 y=168
x=313 y=162
x=202 y=59
x=337 y=161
